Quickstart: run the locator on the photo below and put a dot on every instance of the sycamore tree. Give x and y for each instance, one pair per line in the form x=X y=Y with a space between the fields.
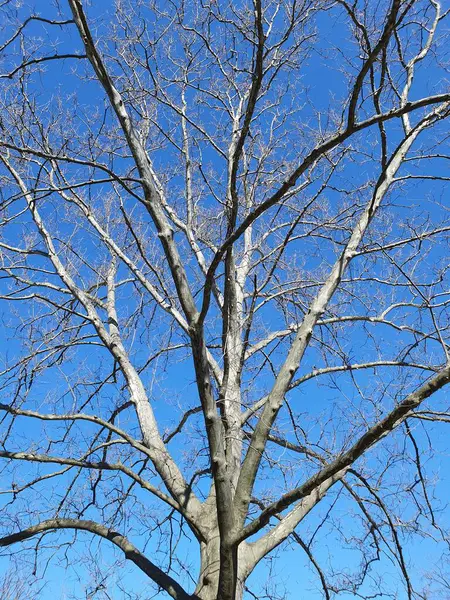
x=224 y=283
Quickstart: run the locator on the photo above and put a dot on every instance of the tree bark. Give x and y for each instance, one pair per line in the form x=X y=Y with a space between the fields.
x=219 y=575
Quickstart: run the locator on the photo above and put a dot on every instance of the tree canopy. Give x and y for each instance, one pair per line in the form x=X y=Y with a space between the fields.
x=224 y=290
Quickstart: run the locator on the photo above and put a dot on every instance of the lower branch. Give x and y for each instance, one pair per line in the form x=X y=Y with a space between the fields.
x=131 y=553
x=287 y=524
x=371 y=437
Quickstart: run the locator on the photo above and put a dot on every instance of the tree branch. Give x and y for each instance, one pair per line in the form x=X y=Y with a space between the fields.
x=131 y=552
x=367 y=440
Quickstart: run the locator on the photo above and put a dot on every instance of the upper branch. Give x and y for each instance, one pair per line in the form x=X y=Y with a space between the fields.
x=150 y=186
x=154 y=205
x=318 y=152
x=382 y=43
x=286 y=373
x=238 y=146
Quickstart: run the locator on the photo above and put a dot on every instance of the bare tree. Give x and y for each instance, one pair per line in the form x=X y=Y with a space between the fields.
x=225 y=288
x=13 y=586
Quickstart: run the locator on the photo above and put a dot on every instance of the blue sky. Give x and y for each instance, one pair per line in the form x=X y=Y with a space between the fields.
x=173 y=390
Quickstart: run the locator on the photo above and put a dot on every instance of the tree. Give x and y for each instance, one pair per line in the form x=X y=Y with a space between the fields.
x=13 y=587
x=224 y=257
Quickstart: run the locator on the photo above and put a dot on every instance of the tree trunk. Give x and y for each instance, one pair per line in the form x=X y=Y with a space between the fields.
x=209 y=569
x=208 y=585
